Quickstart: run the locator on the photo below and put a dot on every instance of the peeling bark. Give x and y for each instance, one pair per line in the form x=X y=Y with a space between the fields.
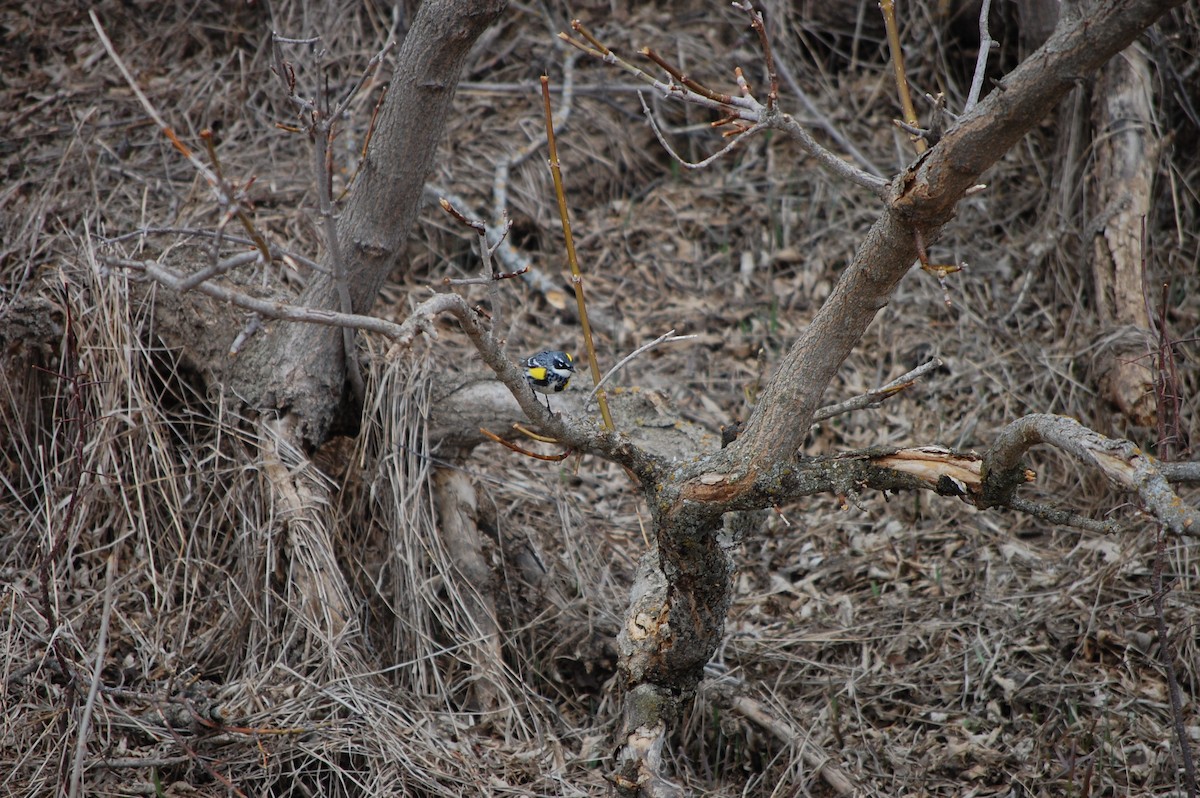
x=1125 y=153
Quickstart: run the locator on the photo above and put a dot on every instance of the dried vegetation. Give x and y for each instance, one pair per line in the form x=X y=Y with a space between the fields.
x=917 y=645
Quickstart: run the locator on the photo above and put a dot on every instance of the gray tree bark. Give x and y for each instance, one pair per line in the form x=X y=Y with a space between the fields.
x=299 y=369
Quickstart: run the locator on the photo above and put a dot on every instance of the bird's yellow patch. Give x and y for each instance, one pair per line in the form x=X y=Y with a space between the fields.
x=538 y=373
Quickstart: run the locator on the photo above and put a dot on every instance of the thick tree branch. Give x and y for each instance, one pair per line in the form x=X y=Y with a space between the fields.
x=924 y=198
x=676 y=617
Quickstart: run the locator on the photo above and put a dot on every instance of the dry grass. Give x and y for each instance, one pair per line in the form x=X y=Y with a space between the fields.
x=925 y=647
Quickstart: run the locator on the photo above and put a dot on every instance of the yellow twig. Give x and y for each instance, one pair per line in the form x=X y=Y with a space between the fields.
x=888 y=7
x=576 y=275
x=528 y=433
x=510 y=445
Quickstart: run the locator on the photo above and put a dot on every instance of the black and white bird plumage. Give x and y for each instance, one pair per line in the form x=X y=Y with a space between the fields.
x=549 y=372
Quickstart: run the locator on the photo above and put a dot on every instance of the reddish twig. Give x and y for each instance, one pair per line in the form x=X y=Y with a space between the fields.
x=756 y=22
x=510 y=445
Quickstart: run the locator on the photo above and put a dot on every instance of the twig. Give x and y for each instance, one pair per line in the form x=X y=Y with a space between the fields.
x=522 y=87
x=487 y=249
x=489 y=277
x=554 y=458
x=756 y=22
x=572 y=259
x=207 y=273
x=89 y=707
x=744 y=108
x=562 y=118
x=985 y=46
x=152 y=112
x=252 y=328
x=788 y=124
x=375 y=61
x=1185 y=473
x=888 y=7
x=1061 y=517
x=823 y=121
x=685 y=80
x=528 y=433
x=787 y=734
x=878 y=395
x=668 y=337
x=273 y=309
x=743 y=135
x=277 y=252
x=224 y=193
x=1166 y=654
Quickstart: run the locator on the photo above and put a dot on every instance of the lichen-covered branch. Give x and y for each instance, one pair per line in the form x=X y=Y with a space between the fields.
x=1124 y=464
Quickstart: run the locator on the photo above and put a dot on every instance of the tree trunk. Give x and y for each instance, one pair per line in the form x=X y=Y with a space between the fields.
x=300 y=368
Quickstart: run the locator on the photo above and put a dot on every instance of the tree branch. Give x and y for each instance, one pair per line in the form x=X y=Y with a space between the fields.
x=924 y=198
x=1125 y=466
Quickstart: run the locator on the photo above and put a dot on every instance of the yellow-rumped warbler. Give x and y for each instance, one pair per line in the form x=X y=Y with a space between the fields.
x=549 y=372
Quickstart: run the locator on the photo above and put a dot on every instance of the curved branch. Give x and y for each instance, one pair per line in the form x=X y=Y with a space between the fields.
x=1124 y=464
x=745 y=108
x=786 y=123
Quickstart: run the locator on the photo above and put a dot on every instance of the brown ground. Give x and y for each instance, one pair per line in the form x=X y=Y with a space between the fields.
x=923 y=647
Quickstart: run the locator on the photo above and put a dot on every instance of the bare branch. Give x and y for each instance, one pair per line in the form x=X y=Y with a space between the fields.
x=1185 y=473
x=219 y=268
x=756 y=22
x=371 y=66
x=788 y=124
x=209 y=176
x=823 y=121
x=877 y=396
x=985 y=46
x=1125 y=466
x=1061 y=517
x=585 y=324
x=732 y=145
x=273 y=309
x=786 y=733
x=744 y=108
x=277 y=252
x=668 y=337
x=888 y=7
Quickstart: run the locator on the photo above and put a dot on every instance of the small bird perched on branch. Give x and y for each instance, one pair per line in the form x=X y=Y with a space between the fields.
x=549 y=372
